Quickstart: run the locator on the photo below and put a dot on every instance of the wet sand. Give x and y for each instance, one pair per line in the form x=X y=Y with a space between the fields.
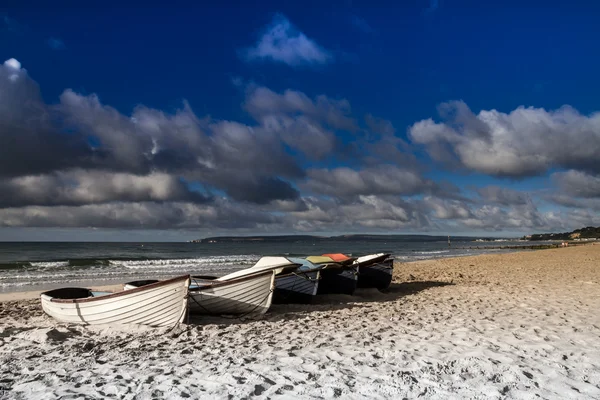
x=517 y=325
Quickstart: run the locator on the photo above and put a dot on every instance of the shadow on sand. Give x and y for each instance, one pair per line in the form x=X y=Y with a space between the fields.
x=329 y=302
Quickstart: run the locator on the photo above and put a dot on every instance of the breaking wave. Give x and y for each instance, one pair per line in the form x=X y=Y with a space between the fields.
x=49 y=264
x=19 y=274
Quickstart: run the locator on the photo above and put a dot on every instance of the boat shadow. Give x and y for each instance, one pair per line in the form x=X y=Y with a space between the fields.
x=331 y=302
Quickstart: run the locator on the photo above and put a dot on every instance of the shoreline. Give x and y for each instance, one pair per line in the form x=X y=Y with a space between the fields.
x=33 y=292
x=116 y=284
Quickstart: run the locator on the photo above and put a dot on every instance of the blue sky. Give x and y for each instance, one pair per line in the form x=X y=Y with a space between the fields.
x=189 y=119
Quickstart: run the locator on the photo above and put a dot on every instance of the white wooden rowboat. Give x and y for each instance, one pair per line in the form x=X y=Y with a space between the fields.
x=162 y=303
x=249 y=291
x=249 y=294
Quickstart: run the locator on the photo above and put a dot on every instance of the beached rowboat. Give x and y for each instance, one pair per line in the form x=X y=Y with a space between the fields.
x=161 y=303
x=250 y=294
x=375 y=271
x=248 y=291
x=299 y=286
x=336 y=278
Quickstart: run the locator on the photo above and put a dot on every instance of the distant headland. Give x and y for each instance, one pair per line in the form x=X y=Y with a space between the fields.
x=345 y=238
x=587 y=233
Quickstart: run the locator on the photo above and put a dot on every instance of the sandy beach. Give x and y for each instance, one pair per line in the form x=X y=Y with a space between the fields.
x=520 y=326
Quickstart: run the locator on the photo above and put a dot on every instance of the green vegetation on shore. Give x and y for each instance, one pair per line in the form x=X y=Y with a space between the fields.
x=589 y=232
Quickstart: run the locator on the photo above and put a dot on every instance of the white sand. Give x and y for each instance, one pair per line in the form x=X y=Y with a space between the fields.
x=520 y=326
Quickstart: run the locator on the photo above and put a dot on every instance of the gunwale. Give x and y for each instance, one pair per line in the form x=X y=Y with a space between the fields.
x=116 y=294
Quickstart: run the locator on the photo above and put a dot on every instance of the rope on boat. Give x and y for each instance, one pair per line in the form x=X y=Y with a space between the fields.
x=186 y=309
x=305 y=276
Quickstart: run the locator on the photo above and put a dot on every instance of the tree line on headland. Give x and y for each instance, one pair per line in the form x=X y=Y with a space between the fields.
x=589 y=232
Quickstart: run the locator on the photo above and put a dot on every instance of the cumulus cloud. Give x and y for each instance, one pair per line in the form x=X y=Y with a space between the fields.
x=385 y=179
x=262 y=101
x=524 y=142
x=578 y=184
x=221 y=214
x=362 y=212
x=282 y=42
x=236 y=158
x=574 y=202
x=447 y=209
x=304 y=124
x=503 y=196
x=248 y=163
x=303 y=164
x=31 y=141
x=80 y=187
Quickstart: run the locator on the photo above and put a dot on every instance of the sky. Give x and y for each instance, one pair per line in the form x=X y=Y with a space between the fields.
x=184 y=120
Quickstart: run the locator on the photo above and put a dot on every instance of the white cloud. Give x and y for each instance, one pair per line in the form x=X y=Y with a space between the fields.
x=79 y=187
x=262 y=101
x=385 y=179
x=12 y=63
x=13 y=68
x=524 y=142
x=283 y=43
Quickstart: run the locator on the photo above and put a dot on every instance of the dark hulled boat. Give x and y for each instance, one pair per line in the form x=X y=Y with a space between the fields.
x=299 y=286
x=336 y=277
x=375 y=271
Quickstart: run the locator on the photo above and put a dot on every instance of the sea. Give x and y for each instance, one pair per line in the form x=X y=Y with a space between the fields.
x=46 y=265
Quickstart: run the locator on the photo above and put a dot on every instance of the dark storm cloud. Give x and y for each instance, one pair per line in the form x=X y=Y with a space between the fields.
x=381 y=144
x=525 y=142
x=225 y=155
x=261 y=190
x=31 y=141
x=81 y=132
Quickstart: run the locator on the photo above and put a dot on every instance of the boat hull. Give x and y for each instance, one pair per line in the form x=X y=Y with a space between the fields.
x=377 y=275
x=248 y=295
x=299 y=287
x=159 y=304
x=338 y=280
